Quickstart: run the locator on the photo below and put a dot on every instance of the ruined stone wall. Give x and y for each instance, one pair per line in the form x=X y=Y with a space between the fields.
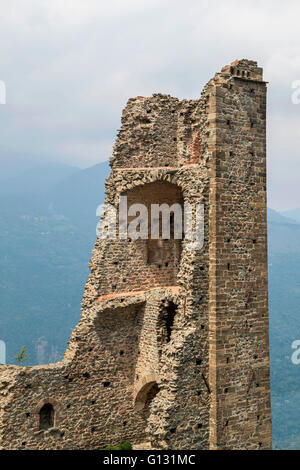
x=172 y=344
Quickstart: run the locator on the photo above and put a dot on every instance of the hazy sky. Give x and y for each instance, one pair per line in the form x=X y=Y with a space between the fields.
x=70 y=66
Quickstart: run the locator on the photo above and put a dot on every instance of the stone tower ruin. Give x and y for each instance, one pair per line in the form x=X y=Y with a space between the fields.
x=171 y=350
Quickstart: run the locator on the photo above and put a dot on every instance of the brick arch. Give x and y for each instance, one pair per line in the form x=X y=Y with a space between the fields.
x=142 y=389
x=39 y=406
x=132 y=182
x=148 y=178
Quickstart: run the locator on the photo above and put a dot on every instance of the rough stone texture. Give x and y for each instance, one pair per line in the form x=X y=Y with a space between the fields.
x=172 y=346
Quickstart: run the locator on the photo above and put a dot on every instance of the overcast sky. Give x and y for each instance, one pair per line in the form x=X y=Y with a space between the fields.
x=70 y=66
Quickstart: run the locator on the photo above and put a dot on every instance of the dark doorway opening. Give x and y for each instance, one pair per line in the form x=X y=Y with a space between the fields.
x=46 y=416
x=169 y=319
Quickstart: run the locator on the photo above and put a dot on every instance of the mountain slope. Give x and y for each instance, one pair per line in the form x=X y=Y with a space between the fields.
x=46 y=238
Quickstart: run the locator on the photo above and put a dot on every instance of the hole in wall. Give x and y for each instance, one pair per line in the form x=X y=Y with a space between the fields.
x=169 y=319
x=46 y=416
x=165 y=323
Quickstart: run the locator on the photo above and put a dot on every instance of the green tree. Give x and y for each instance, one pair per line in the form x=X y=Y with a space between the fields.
x=22 y=356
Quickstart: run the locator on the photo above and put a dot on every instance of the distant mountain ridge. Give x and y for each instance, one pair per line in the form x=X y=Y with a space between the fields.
x=36 y=180
x=293 y=214
x=280 y=218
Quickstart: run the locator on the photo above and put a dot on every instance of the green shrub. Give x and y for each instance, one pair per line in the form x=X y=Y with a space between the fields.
x=122 y=446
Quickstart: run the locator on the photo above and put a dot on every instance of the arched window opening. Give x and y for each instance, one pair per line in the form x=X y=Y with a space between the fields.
x=46 y=416
x=145 y=396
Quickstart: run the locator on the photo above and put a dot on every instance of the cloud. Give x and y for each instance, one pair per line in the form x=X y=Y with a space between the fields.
x=69 y=68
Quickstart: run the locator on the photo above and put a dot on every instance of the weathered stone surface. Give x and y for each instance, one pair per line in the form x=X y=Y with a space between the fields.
x=172 y=346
